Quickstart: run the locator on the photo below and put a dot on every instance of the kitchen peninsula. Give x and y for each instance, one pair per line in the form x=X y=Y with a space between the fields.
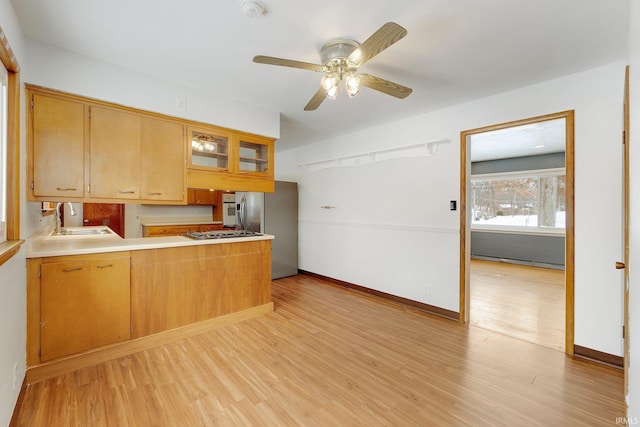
x=92 y=298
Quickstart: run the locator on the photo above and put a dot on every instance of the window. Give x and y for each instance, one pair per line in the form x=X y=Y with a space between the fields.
x=9 y=149
x=531 y=201
x=4 y=96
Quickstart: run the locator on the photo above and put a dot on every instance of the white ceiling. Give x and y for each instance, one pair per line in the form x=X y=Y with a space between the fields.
x=525 y=140
x=455 y=50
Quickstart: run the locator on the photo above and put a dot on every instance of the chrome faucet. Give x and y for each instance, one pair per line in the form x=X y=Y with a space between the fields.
x=58 y=229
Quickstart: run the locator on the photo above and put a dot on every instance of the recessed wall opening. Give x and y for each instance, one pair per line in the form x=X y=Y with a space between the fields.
x=517 y=229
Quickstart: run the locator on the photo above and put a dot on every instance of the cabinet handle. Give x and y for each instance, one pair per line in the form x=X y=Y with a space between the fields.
x=65 y=189
x=154 y=194
x=126 y=191
x=104 y=265
x=67 y=270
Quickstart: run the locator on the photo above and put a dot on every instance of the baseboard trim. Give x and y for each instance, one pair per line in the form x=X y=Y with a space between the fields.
x=598 y=356
x=103 y=354
x=432 y=309
x=17 y=408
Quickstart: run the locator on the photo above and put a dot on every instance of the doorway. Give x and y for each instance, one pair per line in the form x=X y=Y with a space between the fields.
x=534 y=219
x=109 y=214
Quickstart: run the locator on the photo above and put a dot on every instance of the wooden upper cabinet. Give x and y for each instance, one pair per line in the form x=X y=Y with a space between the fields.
x=162 y=153
x=202 y=196
x=115 y=154
x=57 y=147
x=209 y=149
x=230 y=160
x=255 y=156
x=136 y=157
x=95 y=151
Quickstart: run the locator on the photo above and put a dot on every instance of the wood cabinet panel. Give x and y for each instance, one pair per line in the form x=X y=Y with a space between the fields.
x=176 y=230
x=102 y=152
x=211 y=280
x=163 y=167
x=57 y=146
x=64 y=319
x=115 y=154
x=248 y=164
x=110 y=300
x=109 y=214
x=202 y=196
x=84 y=304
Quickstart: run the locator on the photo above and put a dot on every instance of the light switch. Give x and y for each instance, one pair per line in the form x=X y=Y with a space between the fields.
x=453 y=205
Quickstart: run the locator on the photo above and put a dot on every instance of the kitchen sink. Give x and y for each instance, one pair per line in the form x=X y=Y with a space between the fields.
x=88 y=232
x=82 y=232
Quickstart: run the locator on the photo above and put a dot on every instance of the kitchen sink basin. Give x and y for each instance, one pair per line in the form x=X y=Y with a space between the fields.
x=82 y=232
x=88 y=232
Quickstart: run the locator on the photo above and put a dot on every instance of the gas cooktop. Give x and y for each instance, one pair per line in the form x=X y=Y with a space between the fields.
x=221 y=234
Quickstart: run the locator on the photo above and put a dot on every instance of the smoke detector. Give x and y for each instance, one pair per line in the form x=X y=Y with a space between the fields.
x=253 y=9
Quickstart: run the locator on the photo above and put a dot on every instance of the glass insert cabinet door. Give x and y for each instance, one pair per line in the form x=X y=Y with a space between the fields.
x=254 y=157
x=209 y=150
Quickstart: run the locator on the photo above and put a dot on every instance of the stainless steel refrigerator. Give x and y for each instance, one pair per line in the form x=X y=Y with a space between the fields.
x=274 y=213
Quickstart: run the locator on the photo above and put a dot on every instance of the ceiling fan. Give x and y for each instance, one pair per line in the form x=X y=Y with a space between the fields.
x=341 y=59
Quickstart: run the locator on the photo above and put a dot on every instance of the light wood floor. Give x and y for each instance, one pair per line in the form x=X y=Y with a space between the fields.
x=519 y=301
x=330 y=356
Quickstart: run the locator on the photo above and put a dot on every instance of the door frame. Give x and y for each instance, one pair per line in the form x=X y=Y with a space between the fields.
x=465 y=234
x=626 y=195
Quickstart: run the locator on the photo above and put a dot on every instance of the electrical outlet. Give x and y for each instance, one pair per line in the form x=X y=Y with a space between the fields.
x=453 y=205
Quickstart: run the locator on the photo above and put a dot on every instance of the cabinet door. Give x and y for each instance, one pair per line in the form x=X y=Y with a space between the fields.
x=211 y=227
x=115 y=154
x=110 y=301
x=58 y=147
x=255 y=156
x=163 y=168
x=209 y=149
x=201 y=196
x=64 y=315
x=83 y=304
x=158 y=230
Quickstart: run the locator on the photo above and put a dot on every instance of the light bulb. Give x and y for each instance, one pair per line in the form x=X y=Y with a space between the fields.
x=352 y=85
x=330 y=85
x=329 y=80
x=332 y=92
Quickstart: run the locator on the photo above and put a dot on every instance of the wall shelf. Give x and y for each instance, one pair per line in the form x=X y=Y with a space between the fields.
x=424 y=149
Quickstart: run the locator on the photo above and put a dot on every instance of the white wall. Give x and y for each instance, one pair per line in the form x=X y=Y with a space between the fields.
x=13 y=282
x=66 y=71
x=633 y=398
x=392 y=229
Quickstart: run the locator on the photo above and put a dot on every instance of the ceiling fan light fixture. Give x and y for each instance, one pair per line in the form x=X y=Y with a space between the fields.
x=332 y=92
x=352 y=85
x=330 y=84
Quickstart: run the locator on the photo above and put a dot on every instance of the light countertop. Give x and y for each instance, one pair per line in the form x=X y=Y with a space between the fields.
x=42 y=245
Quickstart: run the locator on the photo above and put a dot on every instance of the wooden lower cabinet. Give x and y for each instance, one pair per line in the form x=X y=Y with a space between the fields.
x=86 y=309
x=174 y=287
x=84 y=303
x=176 y=230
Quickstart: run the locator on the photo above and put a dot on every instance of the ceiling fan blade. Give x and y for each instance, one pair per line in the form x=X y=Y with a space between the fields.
x=385 y=86
x=270 y=60
x=316 y=100
x=386 y=35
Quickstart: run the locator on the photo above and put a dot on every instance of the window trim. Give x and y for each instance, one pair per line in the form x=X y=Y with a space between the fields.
x=11 y=246
x=514 y=229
